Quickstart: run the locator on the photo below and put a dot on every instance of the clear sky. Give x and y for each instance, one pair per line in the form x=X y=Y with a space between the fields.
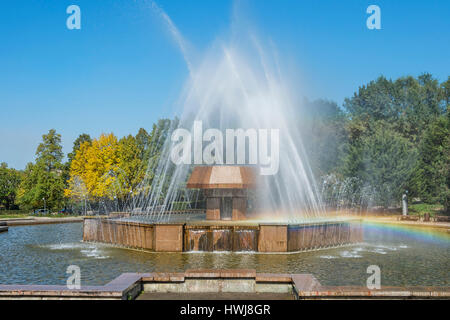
x=123 y=71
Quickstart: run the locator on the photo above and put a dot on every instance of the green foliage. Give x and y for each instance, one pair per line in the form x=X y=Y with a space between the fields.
x=408 y=104
x=323 y=132
x=157 y=140
x=180 y=205
x=395 y=141
x=104 y=169
x=82 y=138
x=387 y=161
x=131 y=163
x=140 y=155
x=9 y=183
x=391 y=135
x=445 y=93
x=49 y=153
x=158 y=137
x=43 y=182
x=422 y=208
x=432 y=174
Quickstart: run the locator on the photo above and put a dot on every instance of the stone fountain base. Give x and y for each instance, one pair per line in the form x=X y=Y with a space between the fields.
x=221 y=236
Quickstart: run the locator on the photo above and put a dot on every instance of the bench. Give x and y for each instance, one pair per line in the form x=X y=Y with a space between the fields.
x=408 y=218
x=441 y=218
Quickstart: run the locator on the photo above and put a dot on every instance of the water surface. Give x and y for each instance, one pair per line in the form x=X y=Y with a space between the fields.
x=40 y=254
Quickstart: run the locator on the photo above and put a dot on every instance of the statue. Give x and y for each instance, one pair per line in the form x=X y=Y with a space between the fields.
x=405 y=203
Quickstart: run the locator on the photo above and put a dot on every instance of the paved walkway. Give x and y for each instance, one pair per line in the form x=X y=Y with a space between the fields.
x=215 y=296
x=393 y=220
x=39 y=220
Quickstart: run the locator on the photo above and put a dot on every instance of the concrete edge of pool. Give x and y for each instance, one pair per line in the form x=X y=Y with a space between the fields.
x=3 y=227
x=217 y=284
x=198 y=236
x=16 y=222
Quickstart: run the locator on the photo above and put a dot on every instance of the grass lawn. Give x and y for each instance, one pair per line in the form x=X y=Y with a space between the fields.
x=14 y=214
x=421 y=208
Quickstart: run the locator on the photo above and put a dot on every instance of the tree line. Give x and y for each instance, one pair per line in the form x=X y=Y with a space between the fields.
x=389 y=137
x=96 y=168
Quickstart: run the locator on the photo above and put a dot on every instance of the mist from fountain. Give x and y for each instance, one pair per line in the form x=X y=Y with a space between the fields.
x=237 y=83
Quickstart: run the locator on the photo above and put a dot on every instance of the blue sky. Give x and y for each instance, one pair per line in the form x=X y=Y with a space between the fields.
x=123 y=71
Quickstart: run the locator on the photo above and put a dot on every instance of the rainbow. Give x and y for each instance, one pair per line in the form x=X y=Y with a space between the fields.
x=421 y=233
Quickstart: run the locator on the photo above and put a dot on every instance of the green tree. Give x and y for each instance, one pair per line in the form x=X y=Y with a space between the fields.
x=408 y=104
x=388 y=121
x=131 y=164
x=9 y=184
x=26 y=194
x=432 y=174
x=388 y=161
x=324 y=135
x=49 y=152
x=352 y=162
x=143 y=141
x=445 y=91
x=374 y=101
x=158 y=137
x=43 y=182
x=84 y=137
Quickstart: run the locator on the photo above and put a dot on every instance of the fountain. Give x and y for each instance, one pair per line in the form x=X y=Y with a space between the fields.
x=225 y=190
x=238 y=88
x=226 y=225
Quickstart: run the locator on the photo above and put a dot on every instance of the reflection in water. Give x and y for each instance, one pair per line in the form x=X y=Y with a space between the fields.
x=40 y=255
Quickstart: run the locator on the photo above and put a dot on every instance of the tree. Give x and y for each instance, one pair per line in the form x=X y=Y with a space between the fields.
x=388 y=160
x=9 y=183
x=143 y=141
x=26 y=194
x=352 y=162
x=374 y=101
x=432 y=174
x=388 y=121
x=43 y=182
x=77 y=187
x=408 y=104
x=49 y=152
x=323 y=133
x=106 y=168
x=82 y=138
x=445 y=91
x=131 y=164
x=154 y=146
x=445 y=169
x=97 y=165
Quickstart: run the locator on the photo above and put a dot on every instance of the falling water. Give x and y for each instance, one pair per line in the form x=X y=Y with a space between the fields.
x=237 y=83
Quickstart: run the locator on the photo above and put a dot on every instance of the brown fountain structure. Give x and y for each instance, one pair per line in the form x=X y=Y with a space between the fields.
x=225 y=189
x=226 y=226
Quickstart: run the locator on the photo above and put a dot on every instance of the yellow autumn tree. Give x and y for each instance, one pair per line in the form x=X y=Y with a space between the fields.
x=77 y=185
x=94 y=168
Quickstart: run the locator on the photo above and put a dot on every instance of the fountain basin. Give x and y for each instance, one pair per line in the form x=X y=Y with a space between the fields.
x=213 y=236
